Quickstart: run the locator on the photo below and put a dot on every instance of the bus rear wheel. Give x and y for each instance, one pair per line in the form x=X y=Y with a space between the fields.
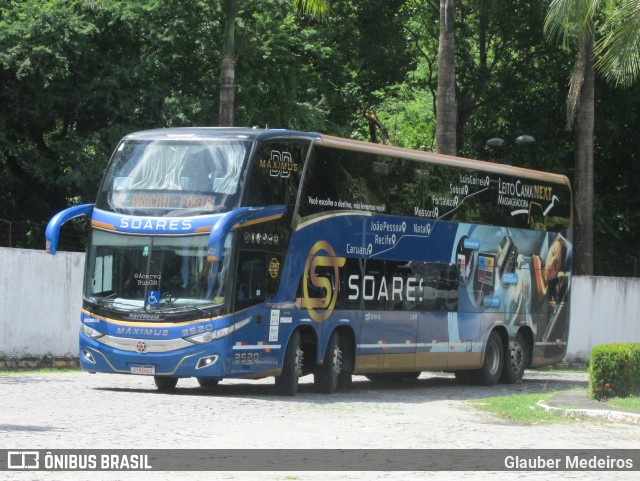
x=515 y=361
x=165 y=384
x=491 y=370
x=348 y=363
x=287 y=381
x=327 y=375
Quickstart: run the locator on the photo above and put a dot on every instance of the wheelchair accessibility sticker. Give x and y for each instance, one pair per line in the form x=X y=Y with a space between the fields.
x=153 y=298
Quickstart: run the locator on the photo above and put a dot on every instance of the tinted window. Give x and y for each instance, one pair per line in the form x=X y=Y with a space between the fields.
x=275 y=174
x=350 y=180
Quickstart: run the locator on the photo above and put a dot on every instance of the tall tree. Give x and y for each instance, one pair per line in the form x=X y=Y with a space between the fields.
x=572 y=22
x=315 y=8
x=446 y=113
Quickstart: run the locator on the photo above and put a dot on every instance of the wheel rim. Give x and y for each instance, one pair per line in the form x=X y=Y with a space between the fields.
x=493 y=358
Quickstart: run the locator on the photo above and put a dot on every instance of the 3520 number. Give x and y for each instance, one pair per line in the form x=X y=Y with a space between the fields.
x=246 y=357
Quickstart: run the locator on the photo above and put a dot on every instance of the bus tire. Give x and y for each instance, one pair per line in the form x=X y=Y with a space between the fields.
x=515 y=361
x=165 y=384
x=348 y=363
x=287 y=381
x=326 y=376
x=208 y=382
x=491 y=370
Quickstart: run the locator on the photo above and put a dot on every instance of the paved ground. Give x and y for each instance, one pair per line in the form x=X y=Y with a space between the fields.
x=80 y=411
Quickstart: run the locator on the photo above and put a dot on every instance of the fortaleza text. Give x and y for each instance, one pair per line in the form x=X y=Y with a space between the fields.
x=563 y=463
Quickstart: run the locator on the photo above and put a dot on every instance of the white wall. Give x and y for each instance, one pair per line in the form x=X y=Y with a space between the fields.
x=40 y=301
x=41 y=296
x=603 y=310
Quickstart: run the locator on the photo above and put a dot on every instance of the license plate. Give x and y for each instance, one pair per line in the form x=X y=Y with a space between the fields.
x=144 y=369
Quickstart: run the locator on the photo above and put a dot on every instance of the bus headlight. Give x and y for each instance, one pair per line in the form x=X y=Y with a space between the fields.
x=218 y=333
x=90 y=332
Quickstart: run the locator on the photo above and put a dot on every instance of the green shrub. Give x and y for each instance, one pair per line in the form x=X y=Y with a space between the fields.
x=614 y=371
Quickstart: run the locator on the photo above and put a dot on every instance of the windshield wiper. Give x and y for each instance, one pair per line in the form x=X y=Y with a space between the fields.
x=175 y=309
x=104 y=299
x=116 y=303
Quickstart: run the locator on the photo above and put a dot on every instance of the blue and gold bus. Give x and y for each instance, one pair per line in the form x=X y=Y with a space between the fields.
x=244 y=253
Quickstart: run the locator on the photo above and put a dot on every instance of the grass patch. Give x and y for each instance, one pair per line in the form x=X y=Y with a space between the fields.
x=519 y=408
x=631 y=402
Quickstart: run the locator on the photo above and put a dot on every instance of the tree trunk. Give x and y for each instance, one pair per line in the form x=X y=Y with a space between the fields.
x=227 y=91
x=228 y=68
x=446 y=102
x=584 y=175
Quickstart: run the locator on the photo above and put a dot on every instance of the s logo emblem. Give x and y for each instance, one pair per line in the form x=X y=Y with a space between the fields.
x=322 y=274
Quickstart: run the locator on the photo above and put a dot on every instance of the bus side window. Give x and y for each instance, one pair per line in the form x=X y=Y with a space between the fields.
x=440 y=286
x=250 y=278
x=275 y=174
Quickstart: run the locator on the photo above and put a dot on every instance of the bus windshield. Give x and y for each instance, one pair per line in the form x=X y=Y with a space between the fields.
x=173 y=177
x=153 y=273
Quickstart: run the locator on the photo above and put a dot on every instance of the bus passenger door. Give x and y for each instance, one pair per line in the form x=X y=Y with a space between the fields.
x=255 y=345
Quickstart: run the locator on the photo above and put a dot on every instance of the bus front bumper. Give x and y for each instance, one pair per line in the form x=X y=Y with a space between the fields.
x=201 y=360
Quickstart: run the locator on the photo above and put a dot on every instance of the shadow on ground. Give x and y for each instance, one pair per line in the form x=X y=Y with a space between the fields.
x=429 y=387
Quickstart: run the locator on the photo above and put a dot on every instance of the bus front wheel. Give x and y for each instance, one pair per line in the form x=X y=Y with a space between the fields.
x=165 y=384
x=287 y=381
x=208 y=382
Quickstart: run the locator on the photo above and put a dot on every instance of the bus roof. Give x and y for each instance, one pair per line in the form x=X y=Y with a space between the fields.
x=434 y=158
x=260 y=134
x=200 y=133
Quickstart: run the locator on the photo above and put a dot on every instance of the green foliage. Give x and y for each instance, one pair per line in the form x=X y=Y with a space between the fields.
x=76 y=75
x=277 y=82
x=614 y=371
x=618 y=49
x=406 y=110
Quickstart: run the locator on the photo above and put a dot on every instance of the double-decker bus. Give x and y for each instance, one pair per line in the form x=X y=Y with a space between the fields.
x=245 y=253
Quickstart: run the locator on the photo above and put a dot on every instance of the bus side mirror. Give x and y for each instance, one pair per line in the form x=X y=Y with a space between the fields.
x=52 y=233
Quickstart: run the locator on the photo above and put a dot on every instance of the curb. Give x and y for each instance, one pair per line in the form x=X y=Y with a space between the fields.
x=605 y=414
x=34 y=364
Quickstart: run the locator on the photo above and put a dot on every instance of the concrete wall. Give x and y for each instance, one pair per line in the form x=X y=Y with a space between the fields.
x=603 y=310
x=40 y=300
